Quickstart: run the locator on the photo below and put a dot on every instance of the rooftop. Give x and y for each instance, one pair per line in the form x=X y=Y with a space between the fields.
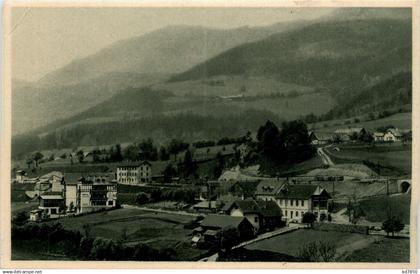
x=297 y=192
x=270 y=187
x=222 y=221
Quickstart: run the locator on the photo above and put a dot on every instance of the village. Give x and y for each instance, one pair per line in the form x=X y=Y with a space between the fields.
x=232 y=213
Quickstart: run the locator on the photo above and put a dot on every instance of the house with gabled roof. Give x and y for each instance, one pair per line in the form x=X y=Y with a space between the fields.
x=321 y=138
x=212 y=227
x=393 y=135
x=263 y=215
x=297 y=199
x=267 y=189
x=244 y=189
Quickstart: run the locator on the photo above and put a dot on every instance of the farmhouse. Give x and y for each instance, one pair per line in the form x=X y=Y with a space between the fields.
x=263 y=215
x=295 y=200
x=378 y=136
x=267 y=189
x=213 y=225
x=393 y=135
x=21 y=176
x=321 y=138
x=347 y=134
x=134 y=173
x=52 y=203
x=244 y=189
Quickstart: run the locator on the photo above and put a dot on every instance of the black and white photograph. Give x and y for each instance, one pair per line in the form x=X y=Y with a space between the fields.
x=210 y=135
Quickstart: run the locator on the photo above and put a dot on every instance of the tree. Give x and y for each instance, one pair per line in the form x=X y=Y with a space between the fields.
x=219 y=165
x=87 y=229
x=80 y=156
x=142 y=198
x=392 y=225
x=168 y=173
x=317 y=251
x=270 y=144
x=37 y=156
x=308 y=218
x=188 y=164
x=296 y=142
x=163 y=154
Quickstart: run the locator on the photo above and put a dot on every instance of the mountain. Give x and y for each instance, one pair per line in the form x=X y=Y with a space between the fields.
x=336 y=55
x=392 y=93
x=35 y=106
x=135 y=62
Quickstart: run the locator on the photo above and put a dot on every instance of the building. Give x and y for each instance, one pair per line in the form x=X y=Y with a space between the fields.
x=21 y=176
x=94 y=195
x=135 y=173
x=393 y=135
x=87 y=194
x=244 y=189
x=52 y=204
x=267 y=189
x=36 y=215
x=378 y=136
x=321 y=138
x=212 y=227
x=206 y=206
x=348 y=134
x=296 y=200
x=263 y=215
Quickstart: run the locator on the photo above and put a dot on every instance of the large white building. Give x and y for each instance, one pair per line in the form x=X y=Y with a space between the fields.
x=87 y=194
x=134 y=173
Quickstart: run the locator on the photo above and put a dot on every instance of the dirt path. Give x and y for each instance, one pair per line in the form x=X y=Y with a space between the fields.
x=324 y=157
x=160 y=210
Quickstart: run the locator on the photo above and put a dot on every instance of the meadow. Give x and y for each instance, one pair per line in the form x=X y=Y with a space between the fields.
x=385 y=250
x=399 y=120
x=291 y=243
x=133 y=226
x=390 y=160
x=380 y=208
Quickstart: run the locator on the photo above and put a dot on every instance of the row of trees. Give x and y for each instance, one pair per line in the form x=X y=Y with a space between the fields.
x=186 y=194
x=289 y=145
x=84 y=247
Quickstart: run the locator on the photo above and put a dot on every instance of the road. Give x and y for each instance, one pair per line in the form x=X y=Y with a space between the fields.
x=213 y=258
x=177 y=212
x=324 y=157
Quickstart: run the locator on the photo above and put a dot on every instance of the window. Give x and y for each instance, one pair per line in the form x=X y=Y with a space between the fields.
x=302 y=203
x=110 y=203
x=53 y=211
x=285 y=212
x=255 y=219
x=297 y=213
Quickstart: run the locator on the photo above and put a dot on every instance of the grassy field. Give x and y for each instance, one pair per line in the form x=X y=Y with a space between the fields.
x=18 y=192
x=231 y=85
x=158 y=230
x=393 y=160
x=385 y=250
x=290 y=243
x=377 y=209
x=399 y=120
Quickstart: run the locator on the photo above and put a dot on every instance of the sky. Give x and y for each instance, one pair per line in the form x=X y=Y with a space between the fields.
x=46 y=39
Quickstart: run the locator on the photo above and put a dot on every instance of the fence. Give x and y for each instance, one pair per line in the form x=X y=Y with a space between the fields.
x=362 y=229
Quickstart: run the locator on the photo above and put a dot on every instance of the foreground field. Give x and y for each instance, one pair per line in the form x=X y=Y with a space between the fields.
x=390 y=160
x=378 y=209
x=384 y=250
x=291 y=243
x=132 y=226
